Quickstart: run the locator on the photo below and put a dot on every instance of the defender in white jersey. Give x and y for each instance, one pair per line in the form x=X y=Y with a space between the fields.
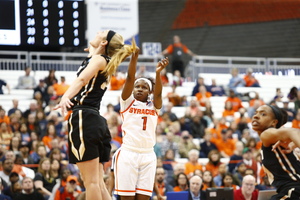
x=135 y=161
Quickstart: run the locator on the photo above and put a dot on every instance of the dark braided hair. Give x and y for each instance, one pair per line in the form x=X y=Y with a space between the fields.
x=280 y=114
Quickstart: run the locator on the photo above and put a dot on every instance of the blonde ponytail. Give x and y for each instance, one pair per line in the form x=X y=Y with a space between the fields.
x=118 y=53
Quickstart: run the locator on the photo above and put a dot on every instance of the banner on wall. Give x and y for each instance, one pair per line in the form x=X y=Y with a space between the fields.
x=117 y=15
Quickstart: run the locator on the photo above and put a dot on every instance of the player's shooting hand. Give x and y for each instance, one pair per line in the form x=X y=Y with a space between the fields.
x=162 y=64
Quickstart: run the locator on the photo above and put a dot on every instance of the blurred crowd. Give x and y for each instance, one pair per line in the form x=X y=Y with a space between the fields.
x=34 y=147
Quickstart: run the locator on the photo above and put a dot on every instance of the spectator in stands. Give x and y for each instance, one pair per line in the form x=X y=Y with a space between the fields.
x=198 y=124
x=70 y=191
x=181 y=183
x=203 y=96
x=179 y=167
x=40 y=153
x=3 y=83
x=117 y=81
x=200 y=81
x=14 y=144
x=33 y=107
x=15 y=103
x=174 y=97
x=222 y=169
x=177 y=78
x=296 y=121
x=236 y=157
x=297 y=102
x=4 y=117
x=235 y=80
x=193 y=109
x=50 y=135
x=3 y=196
x=186 y=144
x=62 y=87
x=208 y=181
x=251 y=163
x=293 y=93
x=24 y=150
x=254 y=103
x=142 y=72
x=27 y=81
x=42 y=88
x=236 y=101
x=214 y=161
x=17 y=167
x=169 y=143
x=55 y=169
x=162 y=185
x=226 y=145
x=32 y=125
x=28 y=191
x=51 y=78
x=164 y=77
x=239 y=172
x=195 y=191
x=216 y=90
x=290 y=112
x=206 y=146
x=192 y=164
x=278 y=95
x=7 y=165
x=228 y=112
x=168 y=110
x=177 y=49
x=168 y=162
x=250 y=80
x=43 y=180
x=5 y=134
x=247 y=191
x=227 y=181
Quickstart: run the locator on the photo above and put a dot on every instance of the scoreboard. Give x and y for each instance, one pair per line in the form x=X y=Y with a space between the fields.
x=42 y=23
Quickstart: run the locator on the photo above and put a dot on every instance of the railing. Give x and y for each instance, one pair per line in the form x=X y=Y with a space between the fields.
x=221 y=64
x=62 y=61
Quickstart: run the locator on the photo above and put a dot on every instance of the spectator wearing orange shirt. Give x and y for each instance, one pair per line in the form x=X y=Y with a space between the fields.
x=250 y=80
x=70 y=191
x=226 y=145
x=177 y=49
x=116 y=82
x=228 y=112
x=214 y=161
x=174 y=97
x=4 y=117
x=50 y=135
x=203 y=95
x=236 y=102
x=61 y=88
x=192 y=164
x=181 y=182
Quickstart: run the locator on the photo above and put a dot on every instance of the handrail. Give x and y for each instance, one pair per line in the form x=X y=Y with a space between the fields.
x=69 y=61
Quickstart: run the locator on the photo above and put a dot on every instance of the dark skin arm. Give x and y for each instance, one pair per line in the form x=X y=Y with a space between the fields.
x=157 y=98
x=284 y=135
x=129 y=83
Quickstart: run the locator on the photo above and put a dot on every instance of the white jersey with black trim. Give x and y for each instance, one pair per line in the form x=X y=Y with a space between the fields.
x=139 y=123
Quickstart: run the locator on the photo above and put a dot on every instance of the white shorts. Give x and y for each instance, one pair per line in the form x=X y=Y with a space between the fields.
x=134 y=172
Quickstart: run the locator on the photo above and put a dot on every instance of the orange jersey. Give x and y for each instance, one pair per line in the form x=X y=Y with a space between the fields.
x=190 y=168
x=236 y=103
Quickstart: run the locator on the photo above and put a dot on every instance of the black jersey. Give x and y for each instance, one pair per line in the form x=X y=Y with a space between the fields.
x=282 y=169
x=91 y=94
